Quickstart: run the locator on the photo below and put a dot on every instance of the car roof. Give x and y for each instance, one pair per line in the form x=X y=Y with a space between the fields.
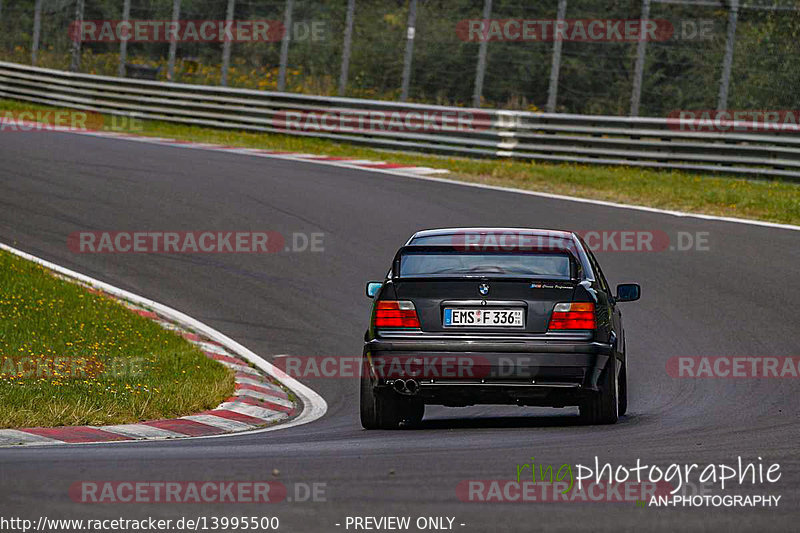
x=536 y=232
x=486 y=230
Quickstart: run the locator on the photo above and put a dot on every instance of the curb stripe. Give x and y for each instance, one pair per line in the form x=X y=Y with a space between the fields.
x=241 y=368
x=259 y=388
x=225 y=424
x=211 y=347
x=194 y=337
x=141 y=431
x=239 y=417
x=263 y=397
x=185 y=427
x=260 y=403
x=15 y=436
x=76 y=434
x=259 y=381
x=252 y=410
x=223 y=358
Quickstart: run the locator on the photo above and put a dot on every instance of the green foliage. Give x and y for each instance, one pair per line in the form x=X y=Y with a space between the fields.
x=595 y=78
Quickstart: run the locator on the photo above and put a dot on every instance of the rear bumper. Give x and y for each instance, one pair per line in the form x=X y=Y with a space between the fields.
x=469 y=371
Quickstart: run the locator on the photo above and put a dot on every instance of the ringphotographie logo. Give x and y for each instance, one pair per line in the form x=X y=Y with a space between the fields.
x=644 y=484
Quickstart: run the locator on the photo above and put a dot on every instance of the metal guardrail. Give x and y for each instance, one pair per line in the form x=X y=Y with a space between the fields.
x=583 y=139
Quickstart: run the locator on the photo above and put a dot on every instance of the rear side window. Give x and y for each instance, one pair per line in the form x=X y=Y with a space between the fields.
x=535 y=265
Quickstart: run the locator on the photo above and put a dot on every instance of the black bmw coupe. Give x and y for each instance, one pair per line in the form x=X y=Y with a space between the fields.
x=494 y=316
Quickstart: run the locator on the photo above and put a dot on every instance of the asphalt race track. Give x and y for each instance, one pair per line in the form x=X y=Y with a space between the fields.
x=738 y=298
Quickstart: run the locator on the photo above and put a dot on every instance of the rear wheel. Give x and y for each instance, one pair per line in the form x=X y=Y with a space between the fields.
x=603 y=408
x=623 y=390
x=369 y=408
x=413 y=411
x=385 y=409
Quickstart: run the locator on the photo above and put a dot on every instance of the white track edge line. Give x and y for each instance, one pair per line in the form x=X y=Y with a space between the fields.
x=314 y=405
x=552 y=196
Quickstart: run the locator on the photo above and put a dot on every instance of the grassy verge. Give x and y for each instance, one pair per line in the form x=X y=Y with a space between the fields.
x=769 y=200
x=71 y=357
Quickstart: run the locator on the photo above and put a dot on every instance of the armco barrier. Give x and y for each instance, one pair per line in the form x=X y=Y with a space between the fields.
x=584 y=139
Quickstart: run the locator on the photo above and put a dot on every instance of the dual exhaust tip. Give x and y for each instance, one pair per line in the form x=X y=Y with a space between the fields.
x=407 y=386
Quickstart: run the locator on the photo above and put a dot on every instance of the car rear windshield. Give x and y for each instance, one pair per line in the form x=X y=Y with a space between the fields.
x=537 y=265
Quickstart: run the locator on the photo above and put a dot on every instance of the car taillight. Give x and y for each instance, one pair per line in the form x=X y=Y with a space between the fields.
x=575 y=315
x=396 y=314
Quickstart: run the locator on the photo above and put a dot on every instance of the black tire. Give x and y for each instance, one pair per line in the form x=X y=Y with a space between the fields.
x=369 y=408
x=413 y=411
x=385 y=409
x=623 y=390
x=603 y=408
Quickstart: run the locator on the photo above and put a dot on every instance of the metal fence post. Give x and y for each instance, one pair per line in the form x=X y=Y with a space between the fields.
x=173 y=44
x=37 y=31
x=123 y=43
x=638 y=69
x=410 y=32
x=552 y=90
x=226 y=46
x=348 y=39
x=727 y=60
x=480 y=71
x=287 y=36
x=75 y=64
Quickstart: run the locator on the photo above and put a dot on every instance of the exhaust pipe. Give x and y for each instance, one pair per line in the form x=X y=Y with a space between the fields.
x=407 y=387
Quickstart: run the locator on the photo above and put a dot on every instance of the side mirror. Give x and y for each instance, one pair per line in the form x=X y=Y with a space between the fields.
x=628 y=292
x=373 y=287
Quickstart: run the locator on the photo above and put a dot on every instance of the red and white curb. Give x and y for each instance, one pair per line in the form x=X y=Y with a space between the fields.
x=346 y=162
x=265 y=397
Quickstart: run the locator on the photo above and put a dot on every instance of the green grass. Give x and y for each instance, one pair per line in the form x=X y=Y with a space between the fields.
x=770 y=200
x=72 y=357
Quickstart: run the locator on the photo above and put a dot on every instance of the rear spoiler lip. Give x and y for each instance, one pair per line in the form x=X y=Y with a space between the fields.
x=573 y=282
x=449 y=248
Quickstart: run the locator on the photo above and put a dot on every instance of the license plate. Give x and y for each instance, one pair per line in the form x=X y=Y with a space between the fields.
x=491 y=318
